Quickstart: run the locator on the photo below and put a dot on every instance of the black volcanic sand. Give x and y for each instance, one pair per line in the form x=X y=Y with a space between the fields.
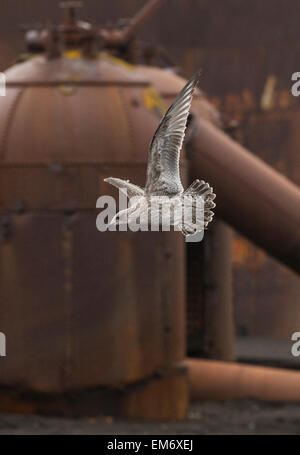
x=239 y=417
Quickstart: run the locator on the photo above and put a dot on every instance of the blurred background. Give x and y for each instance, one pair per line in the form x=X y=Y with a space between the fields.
x=229 y=298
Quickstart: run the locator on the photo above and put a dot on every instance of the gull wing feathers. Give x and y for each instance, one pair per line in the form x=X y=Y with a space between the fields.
x=163 y=177
x=126 y=187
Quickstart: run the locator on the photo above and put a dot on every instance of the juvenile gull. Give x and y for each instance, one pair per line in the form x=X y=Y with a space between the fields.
x=163 y=184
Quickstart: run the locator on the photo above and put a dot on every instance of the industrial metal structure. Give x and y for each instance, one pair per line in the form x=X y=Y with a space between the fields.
x=99 y=319
x=83 y=309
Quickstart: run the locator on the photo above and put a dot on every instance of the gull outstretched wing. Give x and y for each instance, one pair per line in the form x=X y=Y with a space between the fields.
x=163 y=177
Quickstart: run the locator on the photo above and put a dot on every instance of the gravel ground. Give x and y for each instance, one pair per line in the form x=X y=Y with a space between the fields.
x=241 y=417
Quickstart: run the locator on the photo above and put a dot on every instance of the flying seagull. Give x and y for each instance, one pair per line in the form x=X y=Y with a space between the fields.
x=163 y=182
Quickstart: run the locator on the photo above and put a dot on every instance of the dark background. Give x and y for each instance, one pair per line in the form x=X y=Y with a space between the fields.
x=237 y=42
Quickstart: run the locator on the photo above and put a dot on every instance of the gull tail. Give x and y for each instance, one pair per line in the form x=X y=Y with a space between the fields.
x=199 y=188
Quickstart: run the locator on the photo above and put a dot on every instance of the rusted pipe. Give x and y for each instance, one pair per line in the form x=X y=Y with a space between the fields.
x=210 y=324
x=116 y=38
x=140 y=18
x=214 y=380
x=218 y=324
x=251 y=196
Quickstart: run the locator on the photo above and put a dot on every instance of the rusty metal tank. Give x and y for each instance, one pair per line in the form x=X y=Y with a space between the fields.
x=168 y=84
x=82 y=310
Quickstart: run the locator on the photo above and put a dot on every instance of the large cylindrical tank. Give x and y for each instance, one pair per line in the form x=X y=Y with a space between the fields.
x=84 y=310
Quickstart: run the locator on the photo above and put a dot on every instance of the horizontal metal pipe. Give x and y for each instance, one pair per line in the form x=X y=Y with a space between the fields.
x=215 y=380
x=251 y=196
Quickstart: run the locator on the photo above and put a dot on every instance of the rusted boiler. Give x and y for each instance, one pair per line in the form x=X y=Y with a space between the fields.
x=99 y=314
